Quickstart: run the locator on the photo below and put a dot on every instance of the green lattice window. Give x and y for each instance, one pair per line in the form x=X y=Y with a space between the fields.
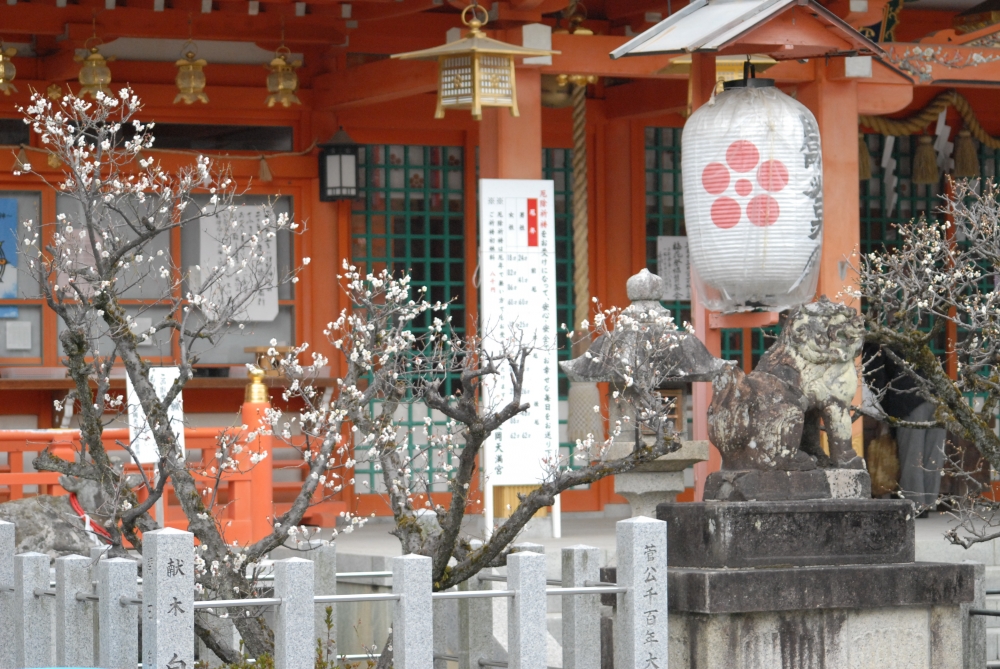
x=664 y=199
x=881 y=213
x=410 y=217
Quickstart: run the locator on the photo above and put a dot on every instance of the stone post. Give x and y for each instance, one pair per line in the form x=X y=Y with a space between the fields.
x=581 y=614
x=32 y=610
x=8 y=653
x=412 y=621
x=475 y=624
x=526 y=629
x=324 y=557
x=168 y=599
x=119 y=645
x=641 y=616
x=74 y=614
x=294 y=647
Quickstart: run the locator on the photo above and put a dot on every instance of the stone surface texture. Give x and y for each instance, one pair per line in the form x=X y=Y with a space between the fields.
x=886 y=638
x=758 y=534
x=48 y=524
x=168 y=598
x=8 y=653
x=324 y=556
x=74 y=617
x=33 y=627
x=729 y=591
x=475 y=625
x=641 y=633
x=526 y=630
x=776 y=485
x=294 y=646
x=119 y=624
x=412 y=624
x=581 y=614
x=689 y=454
x=770 y=419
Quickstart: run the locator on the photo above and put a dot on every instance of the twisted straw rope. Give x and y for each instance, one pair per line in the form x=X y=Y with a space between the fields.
x=916 y=123
x=581 y=253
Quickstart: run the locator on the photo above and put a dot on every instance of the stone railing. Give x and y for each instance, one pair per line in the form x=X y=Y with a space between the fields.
x=79 y=603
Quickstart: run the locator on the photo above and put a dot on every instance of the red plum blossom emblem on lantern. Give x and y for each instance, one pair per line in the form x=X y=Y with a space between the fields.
x=742 y=157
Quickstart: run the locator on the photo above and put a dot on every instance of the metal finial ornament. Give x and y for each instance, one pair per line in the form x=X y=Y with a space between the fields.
x=475 y=71
x=7 y=69
x=190 y=76
x=282 y=82
x=575 y=14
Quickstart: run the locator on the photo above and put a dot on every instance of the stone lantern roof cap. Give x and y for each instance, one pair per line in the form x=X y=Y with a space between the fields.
x=685 y=359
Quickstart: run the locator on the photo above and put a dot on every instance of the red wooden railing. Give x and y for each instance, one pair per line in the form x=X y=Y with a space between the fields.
x=246 y=501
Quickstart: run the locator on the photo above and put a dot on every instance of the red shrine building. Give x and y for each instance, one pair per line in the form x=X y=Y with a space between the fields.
x=266 y=85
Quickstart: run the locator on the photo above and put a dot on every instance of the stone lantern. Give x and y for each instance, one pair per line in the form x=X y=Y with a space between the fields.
x=661 y=480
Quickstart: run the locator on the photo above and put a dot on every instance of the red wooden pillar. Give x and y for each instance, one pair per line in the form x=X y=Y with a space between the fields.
x=510 y=147
x=834 y=101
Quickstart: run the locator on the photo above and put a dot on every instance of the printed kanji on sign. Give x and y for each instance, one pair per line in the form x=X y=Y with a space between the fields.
x=518 y=301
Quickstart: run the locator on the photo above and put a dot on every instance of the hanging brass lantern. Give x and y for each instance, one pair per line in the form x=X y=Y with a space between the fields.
x=191 y=77
x=282 y=82
x=475 y=71
x=7 y=70
x=95 y=75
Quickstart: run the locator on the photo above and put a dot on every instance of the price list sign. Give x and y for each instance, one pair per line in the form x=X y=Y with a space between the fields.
x=518 y=298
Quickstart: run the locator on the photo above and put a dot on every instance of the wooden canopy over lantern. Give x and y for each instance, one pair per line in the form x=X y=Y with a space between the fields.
x=724 y=26
x=475 y=71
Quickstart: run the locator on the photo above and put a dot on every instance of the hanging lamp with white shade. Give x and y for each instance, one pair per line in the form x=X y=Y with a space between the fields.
x=753 y=198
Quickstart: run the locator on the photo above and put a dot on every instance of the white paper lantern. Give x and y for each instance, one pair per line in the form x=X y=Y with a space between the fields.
x=753 y=199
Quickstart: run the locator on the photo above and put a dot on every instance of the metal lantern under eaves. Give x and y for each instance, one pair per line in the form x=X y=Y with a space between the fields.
x=475 y=71
x=191 y=77
x=282 y=81
x=7 y=69
x=338 y=168
x=753 y=198
x=95 y=75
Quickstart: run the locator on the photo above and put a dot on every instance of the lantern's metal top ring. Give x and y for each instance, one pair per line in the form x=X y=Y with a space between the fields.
x=86 y=45
x=189 y=49
x=474 y=23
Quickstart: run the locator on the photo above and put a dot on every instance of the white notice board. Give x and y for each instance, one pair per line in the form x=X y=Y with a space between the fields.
x=673 y=266
x=518 y=295
x=139 y=434
x=228 y=226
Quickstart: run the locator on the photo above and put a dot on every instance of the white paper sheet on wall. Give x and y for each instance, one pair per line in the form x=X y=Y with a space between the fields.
x=264 y=305
x=19 y=336
x=140 y=436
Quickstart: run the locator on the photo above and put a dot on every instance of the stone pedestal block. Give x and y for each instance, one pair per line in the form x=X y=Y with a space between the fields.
x=820 y=584
x=763 y=534
x=779 y=485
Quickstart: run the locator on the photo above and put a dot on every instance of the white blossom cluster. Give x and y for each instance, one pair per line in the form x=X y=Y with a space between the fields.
x=944 y=272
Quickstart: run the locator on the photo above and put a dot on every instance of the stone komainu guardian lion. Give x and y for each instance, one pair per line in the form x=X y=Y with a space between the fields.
x=770 y=419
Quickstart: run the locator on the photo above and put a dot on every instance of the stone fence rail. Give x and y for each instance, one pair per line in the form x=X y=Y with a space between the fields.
x=106 y=595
